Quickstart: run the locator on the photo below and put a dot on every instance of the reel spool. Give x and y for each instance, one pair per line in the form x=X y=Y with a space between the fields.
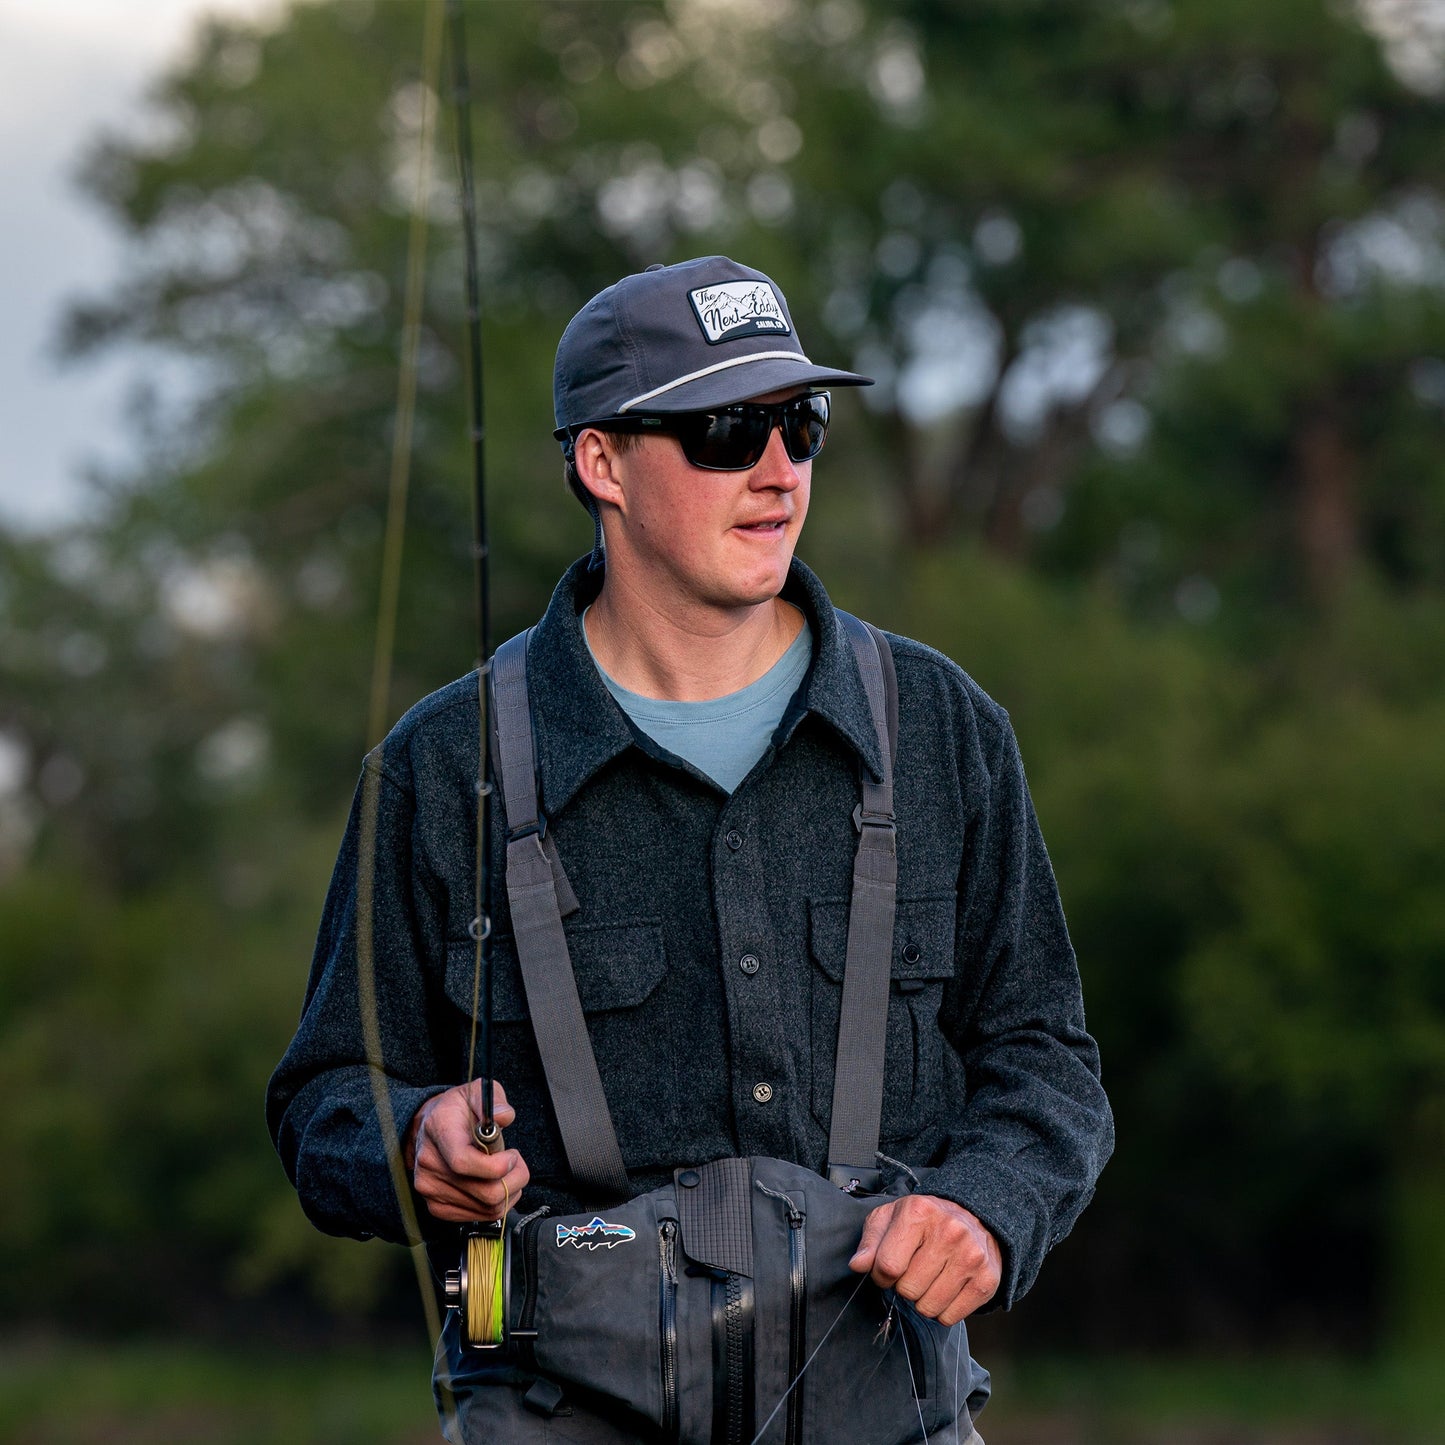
x=480 y=1288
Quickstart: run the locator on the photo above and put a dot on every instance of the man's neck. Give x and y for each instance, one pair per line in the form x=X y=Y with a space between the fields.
x=686 y=655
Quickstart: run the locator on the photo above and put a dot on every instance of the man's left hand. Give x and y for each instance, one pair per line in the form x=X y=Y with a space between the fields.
x=932 y=1252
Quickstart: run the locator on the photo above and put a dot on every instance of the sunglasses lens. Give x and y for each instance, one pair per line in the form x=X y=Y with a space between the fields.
x=805 y=426
x=734 y=439
x=726 y=441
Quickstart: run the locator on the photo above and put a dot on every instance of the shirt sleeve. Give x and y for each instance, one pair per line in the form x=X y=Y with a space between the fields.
x=1036 y=1128
x=356 y=1046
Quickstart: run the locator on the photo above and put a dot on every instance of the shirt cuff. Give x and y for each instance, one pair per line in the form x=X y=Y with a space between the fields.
x=1008 y=1207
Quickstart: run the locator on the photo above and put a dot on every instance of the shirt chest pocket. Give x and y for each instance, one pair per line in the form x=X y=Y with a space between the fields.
x=914 y=1062
x=620 y=969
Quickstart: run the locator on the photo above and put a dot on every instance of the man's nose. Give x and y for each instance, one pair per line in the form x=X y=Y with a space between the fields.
x=775 y=469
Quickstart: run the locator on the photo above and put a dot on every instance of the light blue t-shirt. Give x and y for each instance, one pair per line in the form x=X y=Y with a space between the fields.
x=721 y=736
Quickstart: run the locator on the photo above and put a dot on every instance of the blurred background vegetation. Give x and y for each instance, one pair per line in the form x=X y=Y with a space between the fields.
x=1155 y=293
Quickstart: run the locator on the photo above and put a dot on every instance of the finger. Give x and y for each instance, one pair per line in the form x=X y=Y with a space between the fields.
x=973 y=1296
x=461 y=1159
x=446 y=1120
x=874 y=1228
x=452 y=1215
x=896 y=1251
x=464 y=1211
x=978 y=1284
x=449 y=1128
x=474 y=1199
x=921 y=1274
x=950 y=1286
x=502 y=1111
x=476 y=1203
x=443 y=1194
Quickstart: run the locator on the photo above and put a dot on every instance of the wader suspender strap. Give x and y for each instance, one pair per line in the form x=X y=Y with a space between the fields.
x=857 y=1111
x=557 y=1022
x=575 y=1086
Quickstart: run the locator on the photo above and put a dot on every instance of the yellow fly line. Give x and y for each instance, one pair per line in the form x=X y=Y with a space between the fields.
x=485 y=1254
x=486 y=1265
x=385 y=647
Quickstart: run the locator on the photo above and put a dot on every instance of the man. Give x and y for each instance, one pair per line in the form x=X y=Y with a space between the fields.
x=700 y=724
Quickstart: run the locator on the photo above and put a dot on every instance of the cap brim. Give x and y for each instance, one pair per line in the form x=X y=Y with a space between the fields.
x=742 y=383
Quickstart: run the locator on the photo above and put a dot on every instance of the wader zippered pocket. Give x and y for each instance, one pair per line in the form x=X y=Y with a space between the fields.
x=797 y=1318
x=667 y=1325
x=913 y=1346
x=525 y=1324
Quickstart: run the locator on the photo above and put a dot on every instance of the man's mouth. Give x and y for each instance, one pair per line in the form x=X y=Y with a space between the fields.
x=767 y=527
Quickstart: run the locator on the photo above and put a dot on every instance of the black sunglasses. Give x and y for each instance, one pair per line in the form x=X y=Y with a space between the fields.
x=734 y=438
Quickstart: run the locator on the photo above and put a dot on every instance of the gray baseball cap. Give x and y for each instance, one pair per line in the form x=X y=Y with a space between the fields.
x=701 y=334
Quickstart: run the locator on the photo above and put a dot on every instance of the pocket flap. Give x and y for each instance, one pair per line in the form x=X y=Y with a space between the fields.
x=922 y=936
x=616 y=965
x=509 y=1003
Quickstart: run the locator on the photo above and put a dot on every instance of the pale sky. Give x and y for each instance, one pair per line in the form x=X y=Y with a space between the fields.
x=67 y=69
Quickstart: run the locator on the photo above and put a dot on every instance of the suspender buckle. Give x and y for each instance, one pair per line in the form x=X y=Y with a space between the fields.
x=863 y=820
x=538 y=825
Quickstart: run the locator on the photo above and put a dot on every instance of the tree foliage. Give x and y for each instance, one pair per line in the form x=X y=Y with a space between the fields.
x=1153 y=291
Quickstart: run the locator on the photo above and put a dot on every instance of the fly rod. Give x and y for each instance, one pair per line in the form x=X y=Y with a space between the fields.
x=478 y=1287
x=485 y=1130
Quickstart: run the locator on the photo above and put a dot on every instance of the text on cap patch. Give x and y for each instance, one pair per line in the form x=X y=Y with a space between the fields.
x=732 y=309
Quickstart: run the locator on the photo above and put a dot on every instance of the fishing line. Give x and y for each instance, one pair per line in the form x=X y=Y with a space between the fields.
x=808 y=1362
x=918 y=1405
x=486 y=1273
x=400 y=478
x=482 y=1285
x=957 y=1363
x=381 y=669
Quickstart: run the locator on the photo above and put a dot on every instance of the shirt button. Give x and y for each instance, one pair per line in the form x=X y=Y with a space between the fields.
x=733 y=839
x=748 y=963
x=762 y=1092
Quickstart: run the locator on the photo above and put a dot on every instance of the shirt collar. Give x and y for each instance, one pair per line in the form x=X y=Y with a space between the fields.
x=579 y=728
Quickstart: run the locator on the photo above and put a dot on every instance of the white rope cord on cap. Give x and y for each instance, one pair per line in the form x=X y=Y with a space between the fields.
x=715 y=367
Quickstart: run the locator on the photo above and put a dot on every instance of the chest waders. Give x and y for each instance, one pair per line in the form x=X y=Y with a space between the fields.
x=720 y=1307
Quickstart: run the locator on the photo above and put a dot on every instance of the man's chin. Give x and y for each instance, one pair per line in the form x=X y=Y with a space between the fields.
x=741 y=598
x=766 y=588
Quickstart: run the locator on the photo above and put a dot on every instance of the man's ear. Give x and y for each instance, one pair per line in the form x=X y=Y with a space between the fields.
x=596 y=461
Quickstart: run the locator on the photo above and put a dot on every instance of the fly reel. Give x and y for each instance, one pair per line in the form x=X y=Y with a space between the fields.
x=480 y=1288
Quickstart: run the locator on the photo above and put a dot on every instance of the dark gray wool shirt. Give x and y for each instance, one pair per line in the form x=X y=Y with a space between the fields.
x=992 y=1091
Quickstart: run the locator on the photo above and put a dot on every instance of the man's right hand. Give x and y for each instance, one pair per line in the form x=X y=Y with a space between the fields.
x=457 y=1179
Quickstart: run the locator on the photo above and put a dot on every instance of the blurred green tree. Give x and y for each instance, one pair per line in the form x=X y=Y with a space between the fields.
x=1082 y=246
x=1153 y=294
x=1250 y=868
x=1125 y=273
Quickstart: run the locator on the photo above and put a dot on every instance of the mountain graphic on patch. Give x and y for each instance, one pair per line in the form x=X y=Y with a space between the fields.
x=597 y=1235
x=732 y=309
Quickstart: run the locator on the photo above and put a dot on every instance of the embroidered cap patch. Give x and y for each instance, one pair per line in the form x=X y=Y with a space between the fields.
x=732 y=309
x=597 y=1235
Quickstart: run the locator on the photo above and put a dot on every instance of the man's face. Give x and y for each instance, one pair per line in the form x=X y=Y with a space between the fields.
x=722 y=539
